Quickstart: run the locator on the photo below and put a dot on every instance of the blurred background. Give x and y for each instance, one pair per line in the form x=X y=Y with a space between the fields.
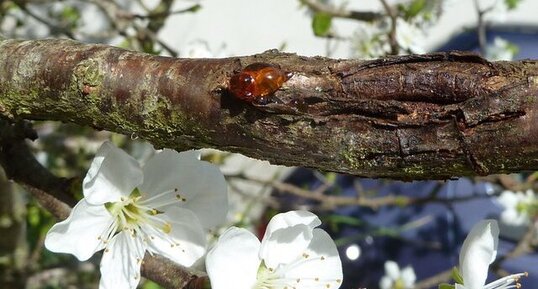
x=418 y=225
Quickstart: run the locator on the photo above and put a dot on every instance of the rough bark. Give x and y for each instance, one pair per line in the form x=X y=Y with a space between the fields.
x=413 y=117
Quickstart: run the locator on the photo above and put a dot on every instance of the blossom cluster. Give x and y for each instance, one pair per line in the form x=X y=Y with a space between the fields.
x=167 y=207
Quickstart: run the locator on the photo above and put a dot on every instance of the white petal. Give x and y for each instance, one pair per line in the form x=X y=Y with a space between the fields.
x=508 y=199
x=120 y=266
x=529 y=196
x=392 y=270
x=112 y=174
x=385 y=282
x=200 y=183
x=478 y=251
x=291 y=218
x=408 y=277
x=285 y=245
x=318 y=266
x=233 y=263
x=286 y=236
x=79 y=233
x=513 y=217
x=186 y=241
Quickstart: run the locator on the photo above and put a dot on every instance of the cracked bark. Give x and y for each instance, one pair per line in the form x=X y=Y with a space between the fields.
x=412 y=117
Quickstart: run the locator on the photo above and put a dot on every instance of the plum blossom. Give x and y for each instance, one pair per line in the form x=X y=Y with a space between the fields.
x=479 y=250
x=397 y=279
x=162 y=208
x=519 y=207
x=292 y=254
x=501 y=49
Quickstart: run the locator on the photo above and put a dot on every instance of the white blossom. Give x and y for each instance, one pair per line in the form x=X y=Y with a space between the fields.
x=518 y=207
x=479 y=250
x=501 y=49
x=395 y=278
x=292 y=254
x=409 y=37
x=162 y=208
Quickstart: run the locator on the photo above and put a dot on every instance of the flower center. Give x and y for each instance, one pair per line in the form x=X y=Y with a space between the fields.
x=399 y=284
x=267 y=278
x=528 y=208
x=130 y=213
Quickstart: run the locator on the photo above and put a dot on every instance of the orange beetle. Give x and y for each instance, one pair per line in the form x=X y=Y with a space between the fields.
x=256 y=81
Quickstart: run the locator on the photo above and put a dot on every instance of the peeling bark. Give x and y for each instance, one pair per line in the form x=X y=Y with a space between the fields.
x=430 y=116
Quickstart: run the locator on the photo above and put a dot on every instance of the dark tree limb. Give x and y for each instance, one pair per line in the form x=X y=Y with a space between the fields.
x=427 y=116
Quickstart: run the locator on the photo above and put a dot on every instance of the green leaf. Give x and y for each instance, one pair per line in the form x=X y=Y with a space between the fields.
x=511 y=4
x=151 y=285
x=194 y=8
x=344 y=220
x=414 y=8
x=321 y=23
x=446 y=286
x=456 y=275
x=70 y=16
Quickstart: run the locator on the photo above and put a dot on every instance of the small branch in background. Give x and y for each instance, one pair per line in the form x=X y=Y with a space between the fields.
x=481 y=26
x=165 y=14
x=394 y=47
x=121 y=20
x=333 y=201
x=435 y=280
x=59 y=209
x=53 y=27
x=21 y=166
x=365 y=16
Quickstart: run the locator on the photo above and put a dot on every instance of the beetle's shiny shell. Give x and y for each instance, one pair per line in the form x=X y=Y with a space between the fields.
x=256 y=81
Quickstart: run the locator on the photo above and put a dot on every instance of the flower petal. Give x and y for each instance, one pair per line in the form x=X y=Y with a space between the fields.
x=200 y=185
x=319 y=266
x=291 y=218
x=385 y=282
x=392 y=270
x=511 y=216
x=79 y=233
x=478 y=251
x=185 y=242
x=508 y=199
x=120 y=266
x=287 y=236
x=408 y=277
x=285 y=245
x=233 y=263
x=112 y=174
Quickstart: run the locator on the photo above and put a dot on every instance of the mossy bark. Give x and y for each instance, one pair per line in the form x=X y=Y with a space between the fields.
x=412 y=117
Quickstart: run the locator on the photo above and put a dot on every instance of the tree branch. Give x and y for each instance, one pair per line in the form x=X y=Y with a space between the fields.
x=427 y=116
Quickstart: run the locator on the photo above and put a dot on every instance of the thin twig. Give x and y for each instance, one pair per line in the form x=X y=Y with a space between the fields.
x=53 y=27
x=394 y=47
x=481 y=26
x=366 y=16
x=165 y=14
x=332 y=201
x=434 y=280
